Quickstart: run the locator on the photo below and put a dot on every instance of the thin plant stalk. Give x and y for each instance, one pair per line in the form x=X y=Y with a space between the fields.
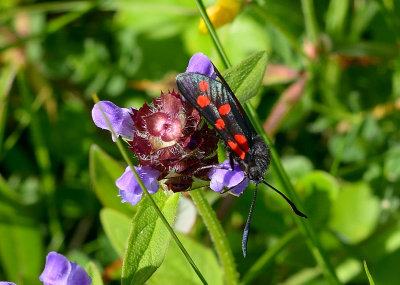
x=218 y=236
x=305 y=226
x=127 y=159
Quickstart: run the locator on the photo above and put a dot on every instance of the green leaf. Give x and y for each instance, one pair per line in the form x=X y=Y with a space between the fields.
x=355 y=212
x=21 y=248
x=116 y=227
x=94 y=273
x=176 y=270
x=392 y=165
x=321 y=190
x=104 y=170
x=245 y=78
x=149 y=238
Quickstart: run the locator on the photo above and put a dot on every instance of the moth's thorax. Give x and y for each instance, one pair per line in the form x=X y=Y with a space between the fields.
x=256 y=161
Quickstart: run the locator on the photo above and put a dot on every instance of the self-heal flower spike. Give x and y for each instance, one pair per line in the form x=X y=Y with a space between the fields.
x=60 y=271
x=129 y=188
x=221 y=176
x=119 y=118
x=169 y=137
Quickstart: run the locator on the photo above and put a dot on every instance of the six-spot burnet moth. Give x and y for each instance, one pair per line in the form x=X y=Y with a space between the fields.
x=219 y=106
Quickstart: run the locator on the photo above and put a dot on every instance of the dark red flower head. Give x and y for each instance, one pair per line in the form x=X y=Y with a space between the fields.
x=170 y=137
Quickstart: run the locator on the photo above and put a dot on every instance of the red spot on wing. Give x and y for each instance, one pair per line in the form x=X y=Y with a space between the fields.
x=242 y=141
x=234 y=146
x=203 y=86
x=220 y=124
x=203 y=101
x=224 y=109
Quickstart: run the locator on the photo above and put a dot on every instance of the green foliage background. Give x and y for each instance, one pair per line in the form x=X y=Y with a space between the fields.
x=330 y=101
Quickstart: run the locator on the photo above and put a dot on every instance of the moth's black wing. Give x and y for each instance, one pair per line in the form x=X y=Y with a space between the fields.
x=245 y=118
x=235 y=121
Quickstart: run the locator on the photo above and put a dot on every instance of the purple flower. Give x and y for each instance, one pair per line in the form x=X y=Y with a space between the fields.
x=60 y=271
x=201 y=64
x=120 y=119
x=129 y=188
x=222 y=177
x=6 y=283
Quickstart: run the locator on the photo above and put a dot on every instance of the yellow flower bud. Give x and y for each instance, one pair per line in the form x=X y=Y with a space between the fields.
x=221 y=13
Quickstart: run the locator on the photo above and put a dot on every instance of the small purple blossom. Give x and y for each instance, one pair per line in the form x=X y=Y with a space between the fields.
x=201 y=64
x=6 y=283
x=223 y=177
x=129 y=188
x=60 y=271
x=120 y=119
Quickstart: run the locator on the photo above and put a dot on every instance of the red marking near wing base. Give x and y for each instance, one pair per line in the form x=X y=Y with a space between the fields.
x=224 y=109
x=220 y=124
x=234 y=146
x=203 y=86
x=203 y=101
x=242 y=141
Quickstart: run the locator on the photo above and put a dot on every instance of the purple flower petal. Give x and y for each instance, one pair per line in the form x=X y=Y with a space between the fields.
x=129 y=188
x=201 y=64
x=60 y=271
x=120 y=119
x=234 y=180
x=6 y=283
x=78 y=276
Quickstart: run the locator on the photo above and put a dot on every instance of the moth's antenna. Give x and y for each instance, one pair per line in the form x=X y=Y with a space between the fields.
x=246 y=228
x=295 y=210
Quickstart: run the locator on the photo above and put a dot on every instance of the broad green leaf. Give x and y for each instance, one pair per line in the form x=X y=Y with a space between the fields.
x=245 y=78
x=392 y=165
x=94 y=273
x=149 y=239
x=21 y=248
x=176 y=269
x=355 y=212
x=104 y=170
x=321 y=189
x=116 y=227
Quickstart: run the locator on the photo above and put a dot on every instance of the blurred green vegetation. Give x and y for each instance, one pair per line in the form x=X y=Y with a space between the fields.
x=330 y=101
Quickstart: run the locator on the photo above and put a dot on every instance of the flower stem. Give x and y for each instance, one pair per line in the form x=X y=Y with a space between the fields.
x=304 y=225
x=213 y=33
x=146 y=192
x=217 y=235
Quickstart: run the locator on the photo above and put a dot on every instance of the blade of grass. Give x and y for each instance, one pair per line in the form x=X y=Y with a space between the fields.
x=310 y=20
x=42 y=155
x=370 y=279
x=218 y=236
x=6 y=79
x=144 y=189
x=305 y=226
